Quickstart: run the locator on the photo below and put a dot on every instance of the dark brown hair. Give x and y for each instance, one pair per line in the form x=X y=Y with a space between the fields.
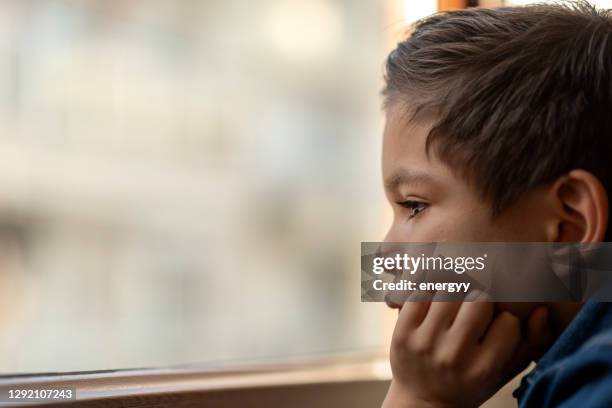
x=520 y=95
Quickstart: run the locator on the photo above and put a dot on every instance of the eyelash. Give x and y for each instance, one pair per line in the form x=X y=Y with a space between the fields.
x=416 y=207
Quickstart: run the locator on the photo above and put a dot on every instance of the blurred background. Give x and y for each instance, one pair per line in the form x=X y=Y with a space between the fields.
x=186 y=182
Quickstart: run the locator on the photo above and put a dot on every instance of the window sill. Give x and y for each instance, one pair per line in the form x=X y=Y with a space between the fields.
x=356 y=381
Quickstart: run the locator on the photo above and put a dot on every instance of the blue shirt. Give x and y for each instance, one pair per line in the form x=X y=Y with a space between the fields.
x=577 y=370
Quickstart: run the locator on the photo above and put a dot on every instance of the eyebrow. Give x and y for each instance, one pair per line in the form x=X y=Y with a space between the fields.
x=404 y=176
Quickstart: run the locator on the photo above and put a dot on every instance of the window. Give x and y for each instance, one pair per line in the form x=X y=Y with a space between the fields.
x=187 y=182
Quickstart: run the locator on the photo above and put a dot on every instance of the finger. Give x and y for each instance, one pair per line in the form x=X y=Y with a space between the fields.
x=539 y=332
x=440 y=317
x=410 y=317
x=473 y=319
x=421 y=296
x=499 y=343
x=418 y=296
x=475 y=295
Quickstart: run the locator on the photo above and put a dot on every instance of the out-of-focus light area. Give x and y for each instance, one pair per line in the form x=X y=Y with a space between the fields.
x=604 y=4
x=187 y=181
x=416 y=10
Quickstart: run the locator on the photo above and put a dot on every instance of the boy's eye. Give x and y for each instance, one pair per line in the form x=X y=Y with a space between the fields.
x=415 y=207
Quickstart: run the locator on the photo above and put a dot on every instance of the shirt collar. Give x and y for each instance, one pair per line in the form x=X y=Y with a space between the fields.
x=592 y=318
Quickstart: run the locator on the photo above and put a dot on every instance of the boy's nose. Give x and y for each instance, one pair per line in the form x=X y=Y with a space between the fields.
x=391 y=235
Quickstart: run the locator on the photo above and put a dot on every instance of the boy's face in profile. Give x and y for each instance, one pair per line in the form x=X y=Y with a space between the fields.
x=431 y=203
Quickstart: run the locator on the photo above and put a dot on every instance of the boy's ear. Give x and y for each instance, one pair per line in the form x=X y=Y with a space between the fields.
x=581 y=208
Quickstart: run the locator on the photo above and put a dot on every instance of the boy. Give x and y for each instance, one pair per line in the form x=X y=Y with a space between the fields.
x=499 y=128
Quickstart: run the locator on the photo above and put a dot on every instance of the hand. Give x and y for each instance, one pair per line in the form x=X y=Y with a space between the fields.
x=459 y=353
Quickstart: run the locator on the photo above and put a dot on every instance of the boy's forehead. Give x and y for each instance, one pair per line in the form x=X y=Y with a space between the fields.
x=404 y=153
x=404 y=143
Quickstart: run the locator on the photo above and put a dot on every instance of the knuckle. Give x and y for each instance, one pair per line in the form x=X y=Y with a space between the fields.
x=482 y=374
x=486 y=371
x=451 y=356
x=447 y=360
x=421 y=345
